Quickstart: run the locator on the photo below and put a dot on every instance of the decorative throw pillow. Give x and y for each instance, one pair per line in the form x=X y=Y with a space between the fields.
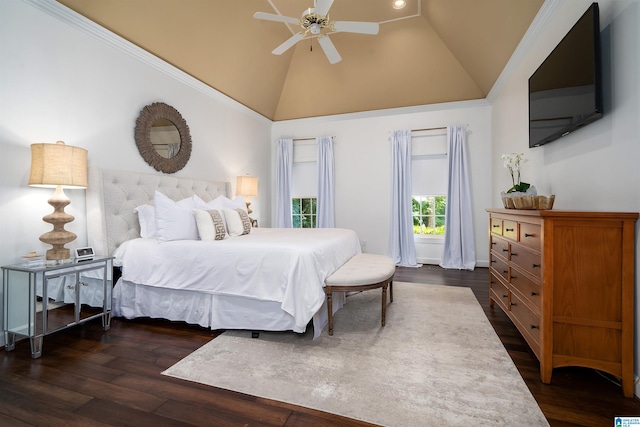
x=238 y=222
x=174 y=220
x=210 y=224
x=147 y=220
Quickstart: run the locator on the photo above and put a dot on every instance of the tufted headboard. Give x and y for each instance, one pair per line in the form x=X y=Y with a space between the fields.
x=113 y=195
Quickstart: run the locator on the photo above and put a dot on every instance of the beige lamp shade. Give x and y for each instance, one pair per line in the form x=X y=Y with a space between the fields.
x=58 y=164
x=247 y=185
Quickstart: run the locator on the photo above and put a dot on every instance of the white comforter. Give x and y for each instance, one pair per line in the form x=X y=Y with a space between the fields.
x=288 y=266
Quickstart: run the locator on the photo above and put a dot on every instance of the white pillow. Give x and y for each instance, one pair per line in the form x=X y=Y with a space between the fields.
x=210 y=224
x=237 y=203
x=174 y=221
x=147 y=220
x=217 y=203
x=238 y=222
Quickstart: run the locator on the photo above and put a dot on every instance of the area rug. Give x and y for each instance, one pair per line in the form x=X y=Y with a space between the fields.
x=436 y=362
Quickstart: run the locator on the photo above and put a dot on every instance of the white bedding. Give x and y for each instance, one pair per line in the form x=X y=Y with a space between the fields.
x=286 y=266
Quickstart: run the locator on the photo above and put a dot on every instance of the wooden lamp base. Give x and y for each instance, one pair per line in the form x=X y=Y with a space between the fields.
x=58 y=237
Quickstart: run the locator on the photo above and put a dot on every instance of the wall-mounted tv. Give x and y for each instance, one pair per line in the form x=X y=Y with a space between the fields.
x=565 y=92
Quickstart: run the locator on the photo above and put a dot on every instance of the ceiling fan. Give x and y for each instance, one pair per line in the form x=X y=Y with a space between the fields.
x=315 y=22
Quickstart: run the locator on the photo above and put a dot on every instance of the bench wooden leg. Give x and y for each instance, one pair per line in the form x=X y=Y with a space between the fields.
x=330 y=310
x=391 y=291
x=384 y=304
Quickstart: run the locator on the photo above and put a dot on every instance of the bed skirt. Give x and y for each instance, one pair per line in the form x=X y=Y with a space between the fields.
x=215 y=312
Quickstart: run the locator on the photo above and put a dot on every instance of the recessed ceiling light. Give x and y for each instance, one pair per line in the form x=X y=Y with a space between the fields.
x=399 y=4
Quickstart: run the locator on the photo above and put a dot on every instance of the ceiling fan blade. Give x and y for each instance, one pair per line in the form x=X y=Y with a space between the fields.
x=323 y=6
x=274 y=17
x=287 y=44
x=357 y=27
x=329 y=49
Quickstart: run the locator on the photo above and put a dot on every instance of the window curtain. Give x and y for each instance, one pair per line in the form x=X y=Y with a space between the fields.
x=459 y=246
x=402 y=248
x=284 y=162
x=325 y=216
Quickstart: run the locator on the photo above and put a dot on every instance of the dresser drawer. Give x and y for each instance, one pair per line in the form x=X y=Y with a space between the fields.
x=499 y=266
x=500 y=292
x=527 y=321
x=529 y=235
x=496 y=226
x=510 y=229
x=528 y=289
x=526 y=260
x=500 y=247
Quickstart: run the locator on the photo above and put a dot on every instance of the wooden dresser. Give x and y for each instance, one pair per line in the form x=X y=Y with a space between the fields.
x=566 y=280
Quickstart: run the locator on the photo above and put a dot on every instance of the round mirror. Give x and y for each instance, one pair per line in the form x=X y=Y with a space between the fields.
x=163 y=138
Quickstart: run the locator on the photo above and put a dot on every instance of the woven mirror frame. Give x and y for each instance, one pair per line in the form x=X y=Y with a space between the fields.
x=148 y=116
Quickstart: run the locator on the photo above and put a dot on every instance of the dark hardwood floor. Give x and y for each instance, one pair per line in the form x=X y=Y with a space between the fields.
x=88 y=377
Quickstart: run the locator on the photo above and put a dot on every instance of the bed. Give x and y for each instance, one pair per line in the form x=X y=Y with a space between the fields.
x=266 y=279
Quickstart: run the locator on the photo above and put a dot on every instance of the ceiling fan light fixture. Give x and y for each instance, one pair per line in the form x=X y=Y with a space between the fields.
x=399 y=4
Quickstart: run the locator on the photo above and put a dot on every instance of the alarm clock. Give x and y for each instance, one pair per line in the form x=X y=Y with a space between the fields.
x=84 y=254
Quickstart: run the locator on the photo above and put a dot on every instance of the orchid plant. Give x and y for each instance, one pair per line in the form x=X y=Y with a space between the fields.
x=513 y=162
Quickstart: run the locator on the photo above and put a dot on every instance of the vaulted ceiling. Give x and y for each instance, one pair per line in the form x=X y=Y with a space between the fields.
x=431 y=51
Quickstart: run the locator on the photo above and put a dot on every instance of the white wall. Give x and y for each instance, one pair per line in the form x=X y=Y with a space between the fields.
x=595 y=168
x=60 y=82
x=362 y=154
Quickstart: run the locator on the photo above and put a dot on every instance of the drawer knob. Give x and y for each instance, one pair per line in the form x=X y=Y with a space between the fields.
x=504 y=271
x=533 y=294
x=529 y=235
x=512 y=304
x=509 y=229
x=535 y=265
x=496 y=225
x=493 y=243
x=514 y=254
x=512 y=277
x=533 y=327
x=505 y=250
x=504 y=295
x=493 y=260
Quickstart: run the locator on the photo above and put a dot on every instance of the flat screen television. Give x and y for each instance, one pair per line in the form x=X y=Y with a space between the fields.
x=565 y=92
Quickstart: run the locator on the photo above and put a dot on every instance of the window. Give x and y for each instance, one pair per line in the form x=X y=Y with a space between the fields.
x=429 y=215
x=303 y=212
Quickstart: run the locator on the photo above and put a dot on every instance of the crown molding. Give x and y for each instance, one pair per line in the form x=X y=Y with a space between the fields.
x=546 y=12
x=457 y=105
x=81 y=23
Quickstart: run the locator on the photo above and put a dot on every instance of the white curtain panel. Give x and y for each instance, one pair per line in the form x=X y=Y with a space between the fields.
x=325 y=208
x=284 y=164
x=402 y=248
x=459 y=246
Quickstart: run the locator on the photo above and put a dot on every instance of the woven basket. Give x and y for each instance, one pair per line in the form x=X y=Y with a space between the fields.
x=529 y=202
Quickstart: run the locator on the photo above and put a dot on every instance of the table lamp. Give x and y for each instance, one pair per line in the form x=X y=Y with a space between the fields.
x=247 y=186
x=58 y=166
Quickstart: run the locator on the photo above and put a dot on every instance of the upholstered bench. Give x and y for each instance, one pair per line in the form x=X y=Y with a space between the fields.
x=362 y=272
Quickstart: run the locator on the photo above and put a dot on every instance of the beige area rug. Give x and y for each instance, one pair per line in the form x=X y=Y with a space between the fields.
x=437 y=362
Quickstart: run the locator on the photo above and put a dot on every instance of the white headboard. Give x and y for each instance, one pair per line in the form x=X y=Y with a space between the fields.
x=113 y=195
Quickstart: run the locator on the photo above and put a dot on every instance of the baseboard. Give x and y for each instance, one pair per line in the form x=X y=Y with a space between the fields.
x=435 y=261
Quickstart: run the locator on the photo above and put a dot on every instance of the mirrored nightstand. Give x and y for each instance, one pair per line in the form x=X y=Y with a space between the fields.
x=41 y=299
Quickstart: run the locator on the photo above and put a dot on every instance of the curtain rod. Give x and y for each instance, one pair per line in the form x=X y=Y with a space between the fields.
x=426 y=129
x=310 y=138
